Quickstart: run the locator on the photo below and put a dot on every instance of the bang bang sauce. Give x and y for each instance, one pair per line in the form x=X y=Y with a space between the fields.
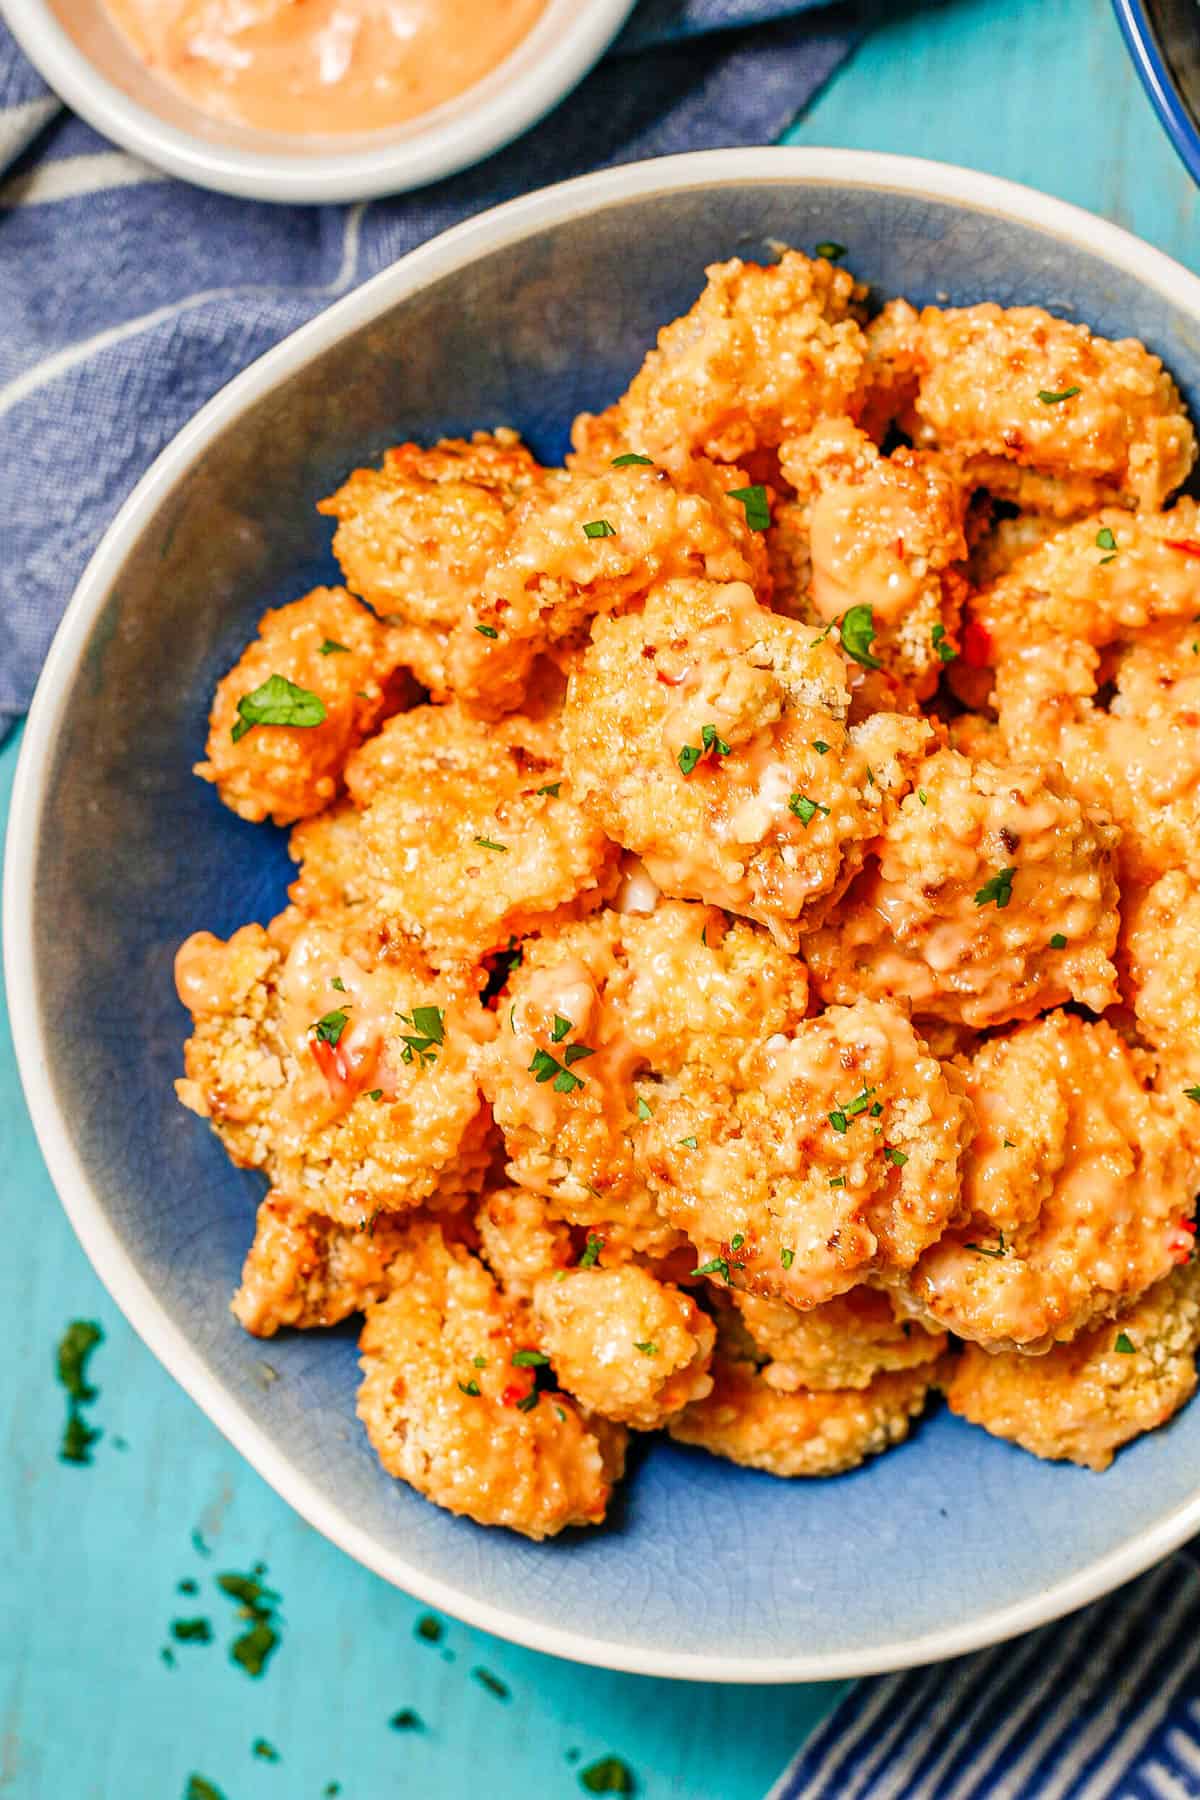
x=322 y=67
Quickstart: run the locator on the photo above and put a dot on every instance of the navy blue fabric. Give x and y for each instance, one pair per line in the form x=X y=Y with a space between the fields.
x=128 y=305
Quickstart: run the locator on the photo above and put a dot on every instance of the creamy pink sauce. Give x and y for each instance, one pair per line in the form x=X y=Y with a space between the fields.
x=322 y=66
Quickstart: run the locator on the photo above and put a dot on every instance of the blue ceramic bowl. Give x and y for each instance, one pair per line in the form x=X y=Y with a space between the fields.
x=524 y=315
x=1164 y=40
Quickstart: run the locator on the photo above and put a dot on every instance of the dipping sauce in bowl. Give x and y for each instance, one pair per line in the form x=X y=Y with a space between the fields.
x=322 y=67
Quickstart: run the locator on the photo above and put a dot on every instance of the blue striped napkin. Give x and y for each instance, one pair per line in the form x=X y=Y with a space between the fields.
x=1103 y=1706
x=129 y=298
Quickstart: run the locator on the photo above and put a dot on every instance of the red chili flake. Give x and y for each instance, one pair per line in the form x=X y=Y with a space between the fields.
x=514 y=1392
x=900 y=548
x=1181 y=1242
x=669 y=680
x=977 y=645
x=332 y=1061
x=1189 y=546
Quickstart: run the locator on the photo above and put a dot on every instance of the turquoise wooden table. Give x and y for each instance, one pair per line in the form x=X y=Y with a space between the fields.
x=364 y=1695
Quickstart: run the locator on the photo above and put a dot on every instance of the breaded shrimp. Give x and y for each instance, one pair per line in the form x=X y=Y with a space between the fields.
x=845 y=1343
x=763 y=354
x=990 y=896
x=601 y=1005
x=1074 y=1189
x=304 y=1270
x=1160 y=953
x=1015 y=390
x=747 y=1421
x=884 y=532
x=353 y=1085
x=467 y=838
x=1083 y=1400
x=835 y=1156
x=706 y=734
x=449 y=1412
x=626 y=1345
x=322 y=662
x=416 y=537
x=520 y=1241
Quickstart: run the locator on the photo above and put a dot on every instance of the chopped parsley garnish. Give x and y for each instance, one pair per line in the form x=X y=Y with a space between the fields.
x=838 y=1181
x=630 y=459
x=710 y=740
x=264 y=1751
x=1058 y=941
x=492 y=1683
x=332 y=648
x=375 y=1094
x=278 y=702
x=428 y=1628
x=562 y=1028
x=191 y=1631
x=591 y=1254
x=842 y=1115
x=470 y=1388
x=599 y=528
x=643 y=1110
x=787 y=1258
x=831 y=251
x=1193 y=1093
x=551 y=788
x=544 y=1067
x=997 y=888
x=1049 y=398
x=200 y=1789
x=490 y=844
x=922 y=796
x=838 y=1120
x=1105 y=539
x=406 y=1720
x=428 y=1033
x=718 y=1266
x=529 y=1401
x=755 y=504
x=71 y=1359
x=330 y=1027
x=647 y=1348
x=339 y=984
x=820 y=746
x=488 y=631
x=688 y=757
x=1125 y=1344
x=480 y=1362
x=689 y=1143
x=946 y=651
x=530 y=1359
x=858 y=634
x=608 y=1775
x=577 y=1053
x=999 y=1249
x=895 y=1156
x=805 y=809
x=253 y=1648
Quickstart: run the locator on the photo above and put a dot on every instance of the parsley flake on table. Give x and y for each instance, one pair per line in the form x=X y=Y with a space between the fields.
x=997 y=889
x=278 y=702
x=754 y=504
x=946 y=651
x=805 y=809
x=75 y=1347
x=253 y=1648
x=857 y=626
x=1048 y=397
x=264 y=1751
x=1125 y=1345
x=429 y=1629
x=591 y=1254
x=406 y=1720
x=630 y=459
x=191 y=1631
x=329 y=1028
x=492 y=1683
x=599 y=528
x=608 y=1775
x=200 y=1789
x=717 y=1266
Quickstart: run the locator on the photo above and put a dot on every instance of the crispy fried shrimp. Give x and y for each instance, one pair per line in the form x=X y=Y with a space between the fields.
x=444 y=1403
x=990 y=897
x=762 y=355
x=1160 y=953
x=747 y=1421
x=627 y=1346
x=469 y=839
x=353 y=1085
x=1083 y=1400
x=836 y=1156
x=304 y=1270
x=520 y=1240
x=845 y=1343
x=332 y=649
x=593 y=1016
x=584 y=545
x=1013 y=391
x=333 y=875
x=1005 y=543
x=706 y=734
x=885 y=532
x=416 y=537
x=1073 y=1190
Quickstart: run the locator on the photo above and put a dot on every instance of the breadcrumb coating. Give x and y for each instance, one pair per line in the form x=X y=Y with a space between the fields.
x=1074 y=1189
x=706 y=734
x=416 y=537
x=990 y=896
x=305 y=1270
x=844 y=1343
x=330 y=647
x=1010 y=390
x=803 y=1433
x=1083 y=1400
x=763 y=354
x=444 y=1331
x=302 y=1059
x=626 y=1345
x=836 y=1156
x=1160 y=954
x=468 y=838
x=520 y=1240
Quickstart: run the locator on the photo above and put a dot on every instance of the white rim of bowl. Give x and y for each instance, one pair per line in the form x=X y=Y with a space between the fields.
x=366 y=174
x=503 y=226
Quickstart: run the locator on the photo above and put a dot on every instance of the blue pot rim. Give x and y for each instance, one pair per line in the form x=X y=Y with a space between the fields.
x=1159 y=82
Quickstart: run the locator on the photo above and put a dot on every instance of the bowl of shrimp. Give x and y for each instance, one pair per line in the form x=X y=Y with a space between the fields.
x=621 y=812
